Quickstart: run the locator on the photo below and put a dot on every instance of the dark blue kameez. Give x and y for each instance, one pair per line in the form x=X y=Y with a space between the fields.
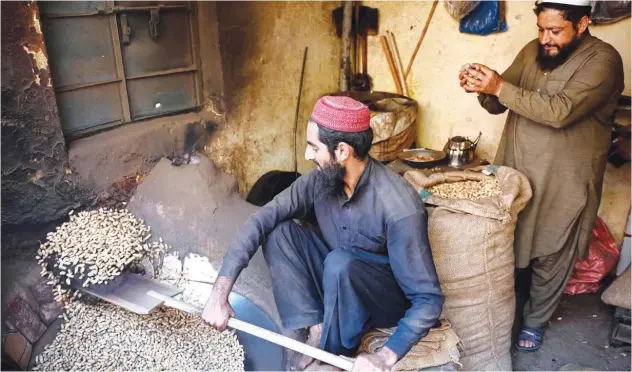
x=371 y=268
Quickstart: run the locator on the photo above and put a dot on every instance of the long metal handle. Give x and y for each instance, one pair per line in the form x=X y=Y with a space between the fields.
x=254 y=330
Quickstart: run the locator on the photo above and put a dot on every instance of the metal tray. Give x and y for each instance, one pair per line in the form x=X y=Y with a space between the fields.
x=437 y=157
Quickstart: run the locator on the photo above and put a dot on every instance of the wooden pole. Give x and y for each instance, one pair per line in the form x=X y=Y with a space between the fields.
x=334 y=360
x=398 y=60
x=389 y=59
x=298 y=107
x=345 y=63
x=292 y=344
x=356 y=37
x=421 y=38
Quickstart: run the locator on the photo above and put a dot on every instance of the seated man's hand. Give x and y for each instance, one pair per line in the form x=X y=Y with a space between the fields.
x=382 y=360
x=217 y=310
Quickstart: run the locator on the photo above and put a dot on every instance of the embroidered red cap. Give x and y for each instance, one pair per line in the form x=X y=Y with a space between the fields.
x=341 y=113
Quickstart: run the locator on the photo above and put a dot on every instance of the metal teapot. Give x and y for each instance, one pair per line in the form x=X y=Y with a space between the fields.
x=460 y=150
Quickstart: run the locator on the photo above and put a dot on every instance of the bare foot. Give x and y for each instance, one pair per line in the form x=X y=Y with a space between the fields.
x=315 y=333
x=526 y=343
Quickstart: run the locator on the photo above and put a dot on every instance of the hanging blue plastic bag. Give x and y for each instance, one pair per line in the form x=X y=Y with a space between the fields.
x=485 y=19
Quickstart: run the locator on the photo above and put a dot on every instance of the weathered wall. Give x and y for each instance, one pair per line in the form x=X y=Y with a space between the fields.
x=131 y=150
x=35 y=185
x=262 y=47
x=210 y=61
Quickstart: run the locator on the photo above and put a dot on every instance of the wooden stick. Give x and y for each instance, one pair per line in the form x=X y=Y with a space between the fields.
x=421 y=38
x=356 y=38
x=289 y=343
x=275 y=338
x=398 y=59
x=298 y=106
x=389 y=59
x=345 y=65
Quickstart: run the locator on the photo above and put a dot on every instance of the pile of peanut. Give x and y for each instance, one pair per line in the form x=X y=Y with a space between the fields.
x=472 y=190
x=94 y=247
x=104 y=337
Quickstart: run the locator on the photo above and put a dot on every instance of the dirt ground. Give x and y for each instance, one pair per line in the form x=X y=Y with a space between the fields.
x=579 y=334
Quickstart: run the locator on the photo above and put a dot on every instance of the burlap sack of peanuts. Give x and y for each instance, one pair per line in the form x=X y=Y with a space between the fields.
x=472 y=247
x=439 y=347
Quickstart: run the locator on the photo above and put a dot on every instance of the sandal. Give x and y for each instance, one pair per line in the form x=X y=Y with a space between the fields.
x=532 y=334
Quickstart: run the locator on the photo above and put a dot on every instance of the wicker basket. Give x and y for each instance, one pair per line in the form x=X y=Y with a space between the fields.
x=388 y=149
x=393 y=121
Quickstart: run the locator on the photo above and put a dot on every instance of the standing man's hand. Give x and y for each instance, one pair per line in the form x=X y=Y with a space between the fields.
x=462 y=78
x=217 y=310
x=382 y=360
x=481 y=79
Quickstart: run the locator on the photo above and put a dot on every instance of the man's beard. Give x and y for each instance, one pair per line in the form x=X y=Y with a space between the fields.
x=331 y=177
x=549 y=63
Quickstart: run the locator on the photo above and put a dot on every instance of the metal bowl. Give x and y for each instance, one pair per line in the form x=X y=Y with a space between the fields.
x=437 y=157
x=260 y=355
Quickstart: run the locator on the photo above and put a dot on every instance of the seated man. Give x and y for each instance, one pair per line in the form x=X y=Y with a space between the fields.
x=371 y=268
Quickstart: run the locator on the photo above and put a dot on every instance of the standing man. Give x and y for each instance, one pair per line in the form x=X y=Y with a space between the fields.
x=371 y=268
x=561 y=92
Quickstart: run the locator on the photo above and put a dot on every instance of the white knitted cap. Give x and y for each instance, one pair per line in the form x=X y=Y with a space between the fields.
x=568 y=2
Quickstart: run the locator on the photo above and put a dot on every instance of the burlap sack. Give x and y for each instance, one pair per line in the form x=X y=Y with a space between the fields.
x=440 y=346
x=472 y=247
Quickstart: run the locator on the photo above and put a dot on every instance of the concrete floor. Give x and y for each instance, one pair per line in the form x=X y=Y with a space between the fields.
x=579 y=333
